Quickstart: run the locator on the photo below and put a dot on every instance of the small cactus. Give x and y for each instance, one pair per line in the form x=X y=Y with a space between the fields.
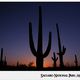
x=76 y=61
x=39 y=52
x=61 y=51
x=54 y=58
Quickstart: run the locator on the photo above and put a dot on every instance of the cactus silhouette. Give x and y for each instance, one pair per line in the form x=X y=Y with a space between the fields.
x=54 y=58
x=3 y=63
x=1 y=57
x=76 y=61
x=61 y=51
x=39 y=53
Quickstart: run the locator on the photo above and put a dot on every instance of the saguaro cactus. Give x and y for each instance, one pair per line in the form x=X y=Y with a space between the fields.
x=54 y=58
x=61 y=51
x=76 y=61
x=1 y=57
x=39 y=52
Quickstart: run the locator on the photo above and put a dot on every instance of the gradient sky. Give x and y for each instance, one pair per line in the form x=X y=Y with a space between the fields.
x=14 y=30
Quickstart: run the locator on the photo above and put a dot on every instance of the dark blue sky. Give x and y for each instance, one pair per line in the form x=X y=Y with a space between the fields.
x=14 y=24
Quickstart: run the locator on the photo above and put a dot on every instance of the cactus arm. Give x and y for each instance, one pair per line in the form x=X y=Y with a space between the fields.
x=56 y=58
x=48 y=47
x=52 y=58
x=59 y=42
x=31 y=40
x=64 y=49
x=63 y=52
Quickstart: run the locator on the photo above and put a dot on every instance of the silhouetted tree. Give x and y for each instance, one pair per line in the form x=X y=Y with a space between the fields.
x=39 y=53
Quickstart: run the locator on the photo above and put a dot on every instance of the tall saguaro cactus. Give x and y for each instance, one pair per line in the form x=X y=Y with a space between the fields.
x=54 y=58
x=61 y=51
x=39 y=52
x=76 y=61
x=1 y=57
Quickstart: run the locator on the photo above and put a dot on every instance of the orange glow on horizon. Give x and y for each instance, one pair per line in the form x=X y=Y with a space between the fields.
x=25 y=60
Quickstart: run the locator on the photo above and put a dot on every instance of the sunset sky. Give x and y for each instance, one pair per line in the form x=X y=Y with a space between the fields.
x=14 y=30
